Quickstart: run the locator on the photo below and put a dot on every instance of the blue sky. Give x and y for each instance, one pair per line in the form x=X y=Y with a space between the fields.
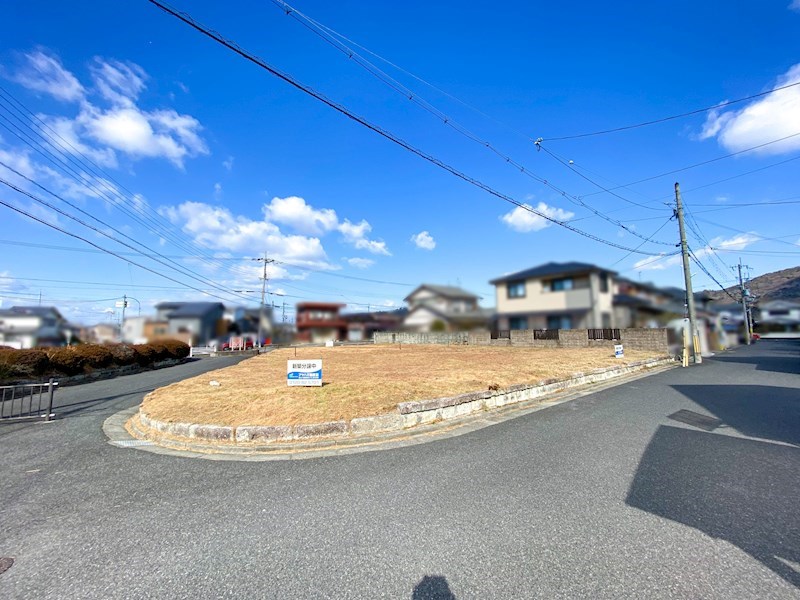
x=201 y=157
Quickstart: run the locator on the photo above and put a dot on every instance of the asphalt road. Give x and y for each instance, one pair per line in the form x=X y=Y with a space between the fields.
x=601 y=497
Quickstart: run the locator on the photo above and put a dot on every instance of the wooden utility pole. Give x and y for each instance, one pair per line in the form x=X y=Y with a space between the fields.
x=687 y=277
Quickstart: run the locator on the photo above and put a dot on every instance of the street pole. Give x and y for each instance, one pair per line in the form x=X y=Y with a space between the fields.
x=263 y=295
x=122 y=323
x=746 y=321
x=687 y=277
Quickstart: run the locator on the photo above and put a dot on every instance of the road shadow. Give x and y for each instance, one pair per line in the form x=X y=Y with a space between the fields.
x=742 y=491
x=433 y=587
x=777 y=356
x=759 y=411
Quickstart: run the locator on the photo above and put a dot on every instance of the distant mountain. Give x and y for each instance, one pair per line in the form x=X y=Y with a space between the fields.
x=780 y=285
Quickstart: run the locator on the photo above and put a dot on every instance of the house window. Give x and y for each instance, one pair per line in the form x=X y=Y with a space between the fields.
x=561 y=285
x=518 y=323
x=516 y=289
x=604 y=283
x=559 y=322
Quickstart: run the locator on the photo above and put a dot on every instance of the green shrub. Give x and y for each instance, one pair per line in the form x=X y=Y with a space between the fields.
x=95 y=356
x=23 y=363
x=66 y=360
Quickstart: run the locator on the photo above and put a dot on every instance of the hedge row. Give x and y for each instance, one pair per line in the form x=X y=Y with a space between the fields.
x=73 y=360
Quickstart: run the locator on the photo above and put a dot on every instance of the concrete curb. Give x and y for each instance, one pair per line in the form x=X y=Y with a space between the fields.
x=409 y=415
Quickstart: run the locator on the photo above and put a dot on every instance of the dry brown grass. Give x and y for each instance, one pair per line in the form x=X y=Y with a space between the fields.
x=362 y=381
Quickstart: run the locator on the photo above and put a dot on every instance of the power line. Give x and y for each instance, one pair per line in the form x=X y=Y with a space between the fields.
x=184 y=17
x=111 y=194
x=169 y=264
x=705 y=162
x=710 y=276
x=387 y=79
x=673 y=117
x=76 y=236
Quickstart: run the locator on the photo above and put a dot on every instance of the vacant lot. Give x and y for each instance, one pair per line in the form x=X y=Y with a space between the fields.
x=361 y=381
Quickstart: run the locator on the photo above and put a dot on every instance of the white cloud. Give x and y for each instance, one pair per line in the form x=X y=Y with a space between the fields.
x=158 y=134
x=119 y=83
x=228 y=164
x=294 y=211
x=770 y=117
x=217 y=228
x=360 y=263
x=424 y=240
x=44 y=72
x=795 y=5
x=737 y=242
x=356 y=234
x=64 y=138
x=523 y=220
x=217 y=191
x=124 y=126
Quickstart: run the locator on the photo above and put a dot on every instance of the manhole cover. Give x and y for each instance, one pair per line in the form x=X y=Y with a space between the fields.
x=132 y=443
x=696 y=419
x=5 y=563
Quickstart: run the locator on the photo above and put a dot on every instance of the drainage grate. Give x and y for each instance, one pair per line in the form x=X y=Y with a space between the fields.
x=132 y=443
x=694 y=419
x=5 y=563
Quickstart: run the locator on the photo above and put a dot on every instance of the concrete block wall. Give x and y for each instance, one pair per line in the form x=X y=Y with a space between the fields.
x=480 y=338
x=573 y=338
x=645 y=339
x=633 y=339
x=401 y=337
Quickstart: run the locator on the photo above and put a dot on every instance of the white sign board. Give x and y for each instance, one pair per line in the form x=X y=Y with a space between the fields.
x=618 y=351
x=305 y=372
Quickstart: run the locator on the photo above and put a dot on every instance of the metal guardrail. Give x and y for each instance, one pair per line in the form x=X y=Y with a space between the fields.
x=27 y=401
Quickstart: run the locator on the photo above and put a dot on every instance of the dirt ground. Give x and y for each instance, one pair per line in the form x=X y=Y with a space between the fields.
x=362 y=381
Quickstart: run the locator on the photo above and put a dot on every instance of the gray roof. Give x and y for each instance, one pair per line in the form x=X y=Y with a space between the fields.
x=779 y=305
x=38 y=311
x=552 y=269
x=188 y=310
x=448 y=291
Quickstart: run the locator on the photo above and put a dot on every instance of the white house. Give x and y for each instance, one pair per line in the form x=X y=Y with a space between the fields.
x=31 y=326
x=444 y=307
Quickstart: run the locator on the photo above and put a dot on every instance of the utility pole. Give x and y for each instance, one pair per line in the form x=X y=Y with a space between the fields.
x=687 y=277
x=122 y=322
x=746 y=321
x=263 y=295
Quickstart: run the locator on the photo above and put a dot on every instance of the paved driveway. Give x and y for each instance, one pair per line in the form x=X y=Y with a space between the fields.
x=602 y=497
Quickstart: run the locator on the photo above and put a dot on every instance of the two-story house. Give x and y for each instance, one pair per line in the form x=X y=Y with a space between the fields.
x=31 y=326
x=444 y=308
x=570 y=295
x=320 y=322
x=198 y=321
x=780 y=315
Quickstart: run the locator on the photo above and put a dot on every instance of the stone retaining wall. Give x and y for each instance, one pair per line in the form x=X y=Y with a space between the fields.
x=408 y=415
